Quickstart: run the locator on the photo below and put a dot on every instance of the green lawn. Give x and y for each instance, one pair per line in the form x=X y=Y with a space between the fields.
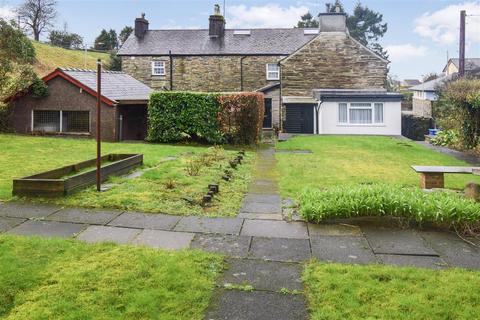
x=161 y=189
x=343 y=292
x=63 y=279
x=346 y=160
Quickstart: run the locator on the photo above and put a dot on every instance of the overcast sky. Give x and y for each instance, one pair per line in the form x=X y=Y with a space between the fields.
x=420 y=32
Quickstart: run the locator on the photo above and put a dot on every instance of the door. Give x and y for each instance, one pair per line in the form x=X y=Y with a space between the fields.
x=267 y=118
x=299 y=118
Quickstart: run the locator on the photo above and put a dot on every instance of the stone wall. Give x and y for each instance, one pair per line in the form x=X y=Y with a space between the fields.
x=67 y=97
x=332 y=60
x=422 y=108
x=203 y=73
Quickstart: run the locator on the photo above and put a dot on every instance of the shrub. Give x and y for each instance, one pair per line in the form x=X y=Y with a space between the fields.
x=414 y=127
x=388 y=200
x=446 y=138
x=206 y=117
x=241 y=117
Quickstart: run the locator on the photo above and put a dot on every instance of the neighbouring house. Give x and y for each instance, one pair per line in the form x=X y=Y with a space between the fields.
x=315 y=80
x=70 y=107
x=408 y=83
x=425 y=94
x=472 y=66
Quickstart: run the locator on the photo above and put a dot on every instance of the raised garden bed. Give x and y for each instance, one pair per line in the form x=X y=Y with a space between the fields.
x=65 y=180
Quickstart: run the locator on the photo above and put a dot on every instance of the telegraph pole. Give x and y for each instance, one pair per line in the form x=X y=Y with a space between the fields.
x=461 y=62
x=99 y=113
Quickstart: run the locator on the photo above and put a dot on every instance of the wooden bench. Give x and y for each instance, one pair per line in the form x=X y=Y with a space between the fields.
x=433 y=176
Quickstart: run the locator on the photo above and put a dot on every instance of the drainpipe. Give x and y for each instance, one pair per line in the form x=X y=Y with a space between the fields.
x=241 y=72
x=317 y=109
x=171 y=69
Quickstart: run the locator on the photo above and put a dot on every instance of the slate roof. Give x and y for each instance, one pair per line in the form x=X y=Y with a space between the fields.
x=356 y=94
x=277 y=41
x=432 y=85
x=470 y=63
x=410 y=82
x=116 y=85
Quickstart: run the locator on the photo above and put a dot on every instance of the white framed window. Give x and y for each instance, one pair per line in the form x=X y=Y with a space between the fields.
x=273 y=71
x=158 y=68
x=58 y=121
x=360 y=113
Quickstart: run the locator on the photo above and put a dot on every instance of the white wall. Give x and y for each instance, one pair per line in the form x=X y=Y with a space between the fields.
x=392 y=121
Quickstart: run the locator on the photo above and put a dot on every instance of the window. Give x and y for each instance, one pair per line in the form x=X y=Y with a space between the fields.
x=46 y=120
x=75 y=121
x=158 y=68
x=273 y=71
x=61 y=121
x=360 y=113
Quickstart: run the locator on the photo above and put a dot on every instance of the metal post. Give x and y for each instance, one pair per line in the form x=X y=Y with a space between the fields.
x=461 y=63
x=99 y=103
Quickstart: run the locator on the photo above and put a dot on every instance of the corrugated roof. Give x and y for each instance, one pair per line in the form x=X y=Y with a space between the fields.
x=116 y=85
x=279 y=41
x=432 y=85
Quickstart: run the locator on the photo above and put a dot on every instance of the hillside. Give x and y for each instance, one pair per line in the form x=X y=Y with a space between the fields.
x=50 y=57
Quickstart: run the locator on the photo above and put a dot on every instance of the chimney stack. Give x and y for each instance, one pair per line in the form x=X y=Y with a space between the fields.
x=217 y=23
x=141 y=26
x=333 y=21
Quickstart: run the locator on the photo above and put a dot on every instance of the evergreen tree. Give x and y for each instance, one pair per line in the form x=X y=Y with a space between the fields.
x=124 y=34
x=307 y=21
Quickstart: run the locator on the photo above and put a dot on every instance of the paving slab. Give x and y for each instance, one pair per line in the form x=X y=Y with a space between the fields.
x=397 y=241
x=108 y=234
x=263 y=275
x=147 y=221
x=164 y=239
x=263 y=198
x=88 y=216
x=256 y=305
x=260 y=216
x=344 y=249
x=230 y=245
x=8 y=223
x=209 y=225
x=48 y=229
x=277 y=249
x=261 y=207
x=413 y=261
x=333 y=230
x=26 y=210
x=275 y=229
x=453 y=250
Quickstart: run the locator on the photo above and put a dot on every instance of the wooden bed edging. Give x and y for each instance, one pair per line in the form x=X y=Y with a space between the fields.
x=53 y=183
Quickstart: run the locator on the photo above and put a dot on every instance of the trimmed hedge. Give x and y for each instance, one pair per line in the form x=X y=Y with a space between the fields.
x=388 y=200
x=415 y=128
x=205 y=117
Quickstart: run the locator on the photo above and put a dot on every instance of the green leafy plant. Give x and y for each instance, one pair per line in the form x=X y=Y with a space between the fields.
x=446 y=138
x=389 y=200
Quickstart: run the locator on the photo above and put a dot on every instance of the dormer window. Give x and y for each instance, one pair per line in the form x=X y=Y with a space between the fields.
x=273 y=71
x=158 y=68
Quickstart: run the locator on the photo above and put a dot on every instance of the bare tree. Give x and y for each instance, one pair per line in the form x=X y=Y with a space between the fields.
x=37 y=15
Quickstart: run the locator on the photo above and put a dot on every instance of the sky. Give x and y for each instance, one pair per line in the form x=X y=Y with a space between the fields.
x=421 y=33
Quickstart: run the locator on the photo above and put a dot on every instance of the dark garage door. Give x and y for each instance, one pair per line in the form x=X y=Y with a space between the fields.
x=299 y=118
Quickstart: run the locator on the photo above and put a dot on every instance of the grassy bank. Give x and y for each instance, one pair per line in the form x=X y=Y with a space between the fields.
x=62 y=279
x=344 y=292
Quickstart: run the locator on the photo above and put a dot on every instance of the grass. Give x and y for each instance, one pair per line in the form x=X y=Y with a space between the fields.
x=162 y=188
x=337 y=291
x=442 y=208
x=62 y=279
x=50 y=57
x=350 y=160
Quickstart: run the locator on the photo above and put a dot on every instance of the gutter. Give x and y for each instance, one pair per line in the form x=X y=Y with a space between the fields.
x=241 y=72
x=171 y=69
x=317 y=118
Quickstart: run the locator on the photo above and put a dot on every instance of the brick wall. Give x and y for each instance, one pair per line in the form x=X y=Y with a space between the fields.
x=332 y=60
x=203 y=73
x=64 y=96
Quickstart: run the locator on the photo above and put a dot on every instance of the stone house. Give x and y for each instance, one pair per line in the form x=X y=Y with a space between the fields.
x=315 y=80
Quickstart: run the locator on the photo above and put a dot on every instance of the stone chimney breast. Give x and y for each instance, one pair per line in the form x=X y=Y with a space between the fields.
x=217 y=23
